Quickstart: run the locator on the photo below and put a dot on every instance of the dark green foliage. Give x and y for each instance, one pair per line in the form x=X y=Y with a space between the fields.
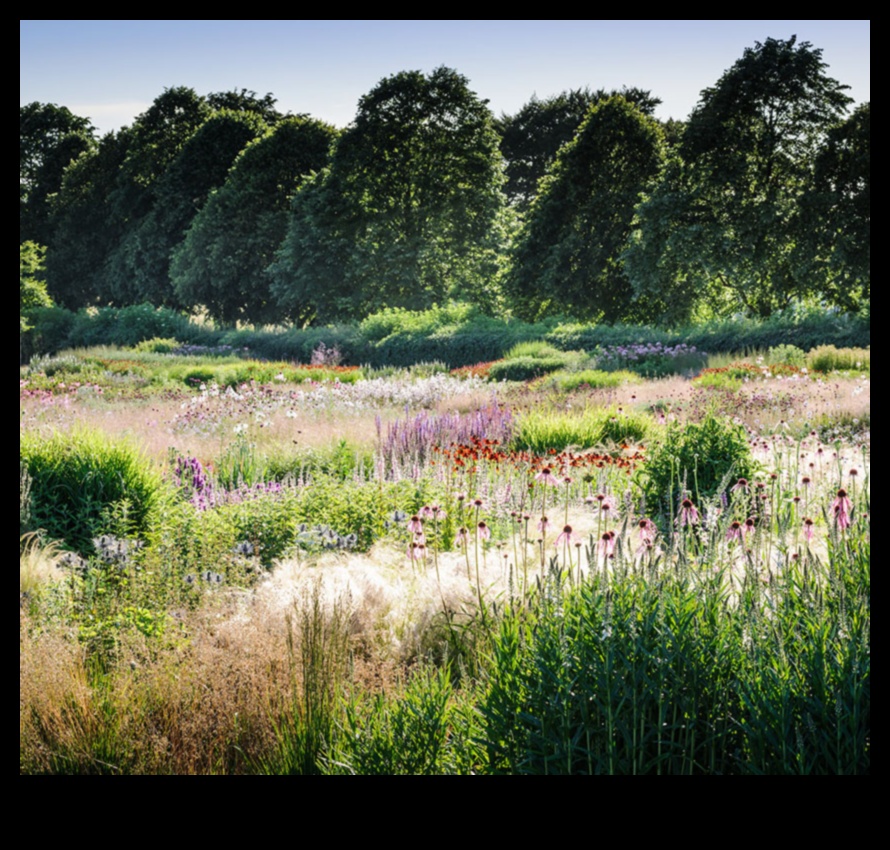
x=567 y=257
x=836 y=245
x=128 y=326
x=246 y=101
x=78 y=480
x=143 y=259
x=616 y=678
x=409 y=212
x=222 y=262
x=525 y=368
x=158 y=135
x=722 y=224
x=50 y=138
x=695 y=459
x=531 y=139
x=84 y=229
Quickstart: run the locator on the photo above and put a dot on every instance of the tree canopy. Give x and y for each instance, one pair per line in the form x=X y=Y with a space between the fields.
x=567 y=259
x=835 y=248
x=142 y=270
x=221 y=263
x=531 y=139
x=747 y=158
x=50 y=138
x=406 y=213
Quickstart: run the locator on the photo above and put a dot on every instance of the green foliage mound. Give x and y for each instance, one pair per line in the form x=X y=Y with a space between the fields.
x=699 y=458
x=83 y=485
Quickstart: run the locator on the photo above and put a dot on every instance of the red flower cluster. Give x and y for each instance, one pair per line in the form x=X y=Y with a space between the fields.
x=467 y=456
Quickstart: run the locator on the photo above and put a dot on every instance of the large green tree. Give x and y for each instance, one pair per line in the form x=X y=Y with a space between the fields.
x=84 y=231
x=143 y=259
x=733 y=201
x=157 y=137
x=50 y=138
x=408 y=212
x=567 y=257
x=221 y=263
x=531 y=139
x=835 y=250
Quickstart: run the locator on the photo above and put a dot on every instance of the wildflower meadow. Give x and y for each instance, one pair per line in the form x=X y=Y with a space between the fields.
x=632 y=559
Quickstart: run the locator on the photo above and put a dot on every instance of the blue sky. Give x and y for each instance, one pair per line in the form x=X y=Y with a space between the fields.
x=111 y=71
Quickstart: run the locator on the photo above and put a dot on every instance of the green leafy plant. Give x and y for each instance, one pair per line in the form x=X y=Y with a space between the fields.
x=698 y=458
x=75 y=477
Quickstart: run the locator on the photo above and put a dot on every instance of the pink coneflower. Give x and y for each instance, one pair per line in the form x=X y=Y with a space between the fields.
x=565 y=537
x=463 y=535
x=606 y=545
x=647 y=531
x=808 y=526
x=688 y=513
x=543 y=525
x=416 y=552
x=426 y=512
x=546 y=476
x=734 y=532
x=741 y=484
x=841 y=508
x=415 y=525
x=483 y=531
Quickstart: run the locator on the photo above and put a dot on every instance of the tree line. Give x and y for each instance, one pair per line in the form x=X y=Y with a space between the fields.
x=581 y=204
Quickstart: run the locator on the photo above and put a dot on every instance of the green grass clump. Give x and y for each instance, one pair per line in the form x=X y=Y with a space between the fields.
x=158 y=345
x=81 y=483
x=540 y=430
x=533 y=348
x=525 y=368
x=827 y=358
x=592 y=379
x=624 y=675
x=697 y=458
x=719 y=380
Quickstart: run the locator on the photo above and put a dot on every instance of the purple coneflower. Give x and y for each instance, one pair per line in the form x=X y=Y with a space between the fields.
x=543 y=524
x=808 y=526
x=606 y=546
x=564 y=537
x=734 y=532
x=546 y=476
x=483 y=531
x=688 y=513
x=841 y=508
x=647 y=531
x=415 y=525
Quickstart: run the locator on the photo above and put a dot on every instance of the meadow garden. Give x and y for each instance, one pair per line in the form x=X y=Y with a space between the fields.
x=628 y=557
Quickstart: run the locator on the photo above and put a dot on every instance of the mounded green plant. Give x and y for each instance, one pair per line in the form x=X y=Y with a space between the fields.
x=827 y=358
x=697 y=458
x=540 y=430
x=593 y=379
x=78 y=478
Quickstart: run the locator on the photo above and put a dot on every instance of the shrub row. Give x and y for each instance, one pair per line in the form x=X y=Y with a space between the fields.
x=456 y=335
